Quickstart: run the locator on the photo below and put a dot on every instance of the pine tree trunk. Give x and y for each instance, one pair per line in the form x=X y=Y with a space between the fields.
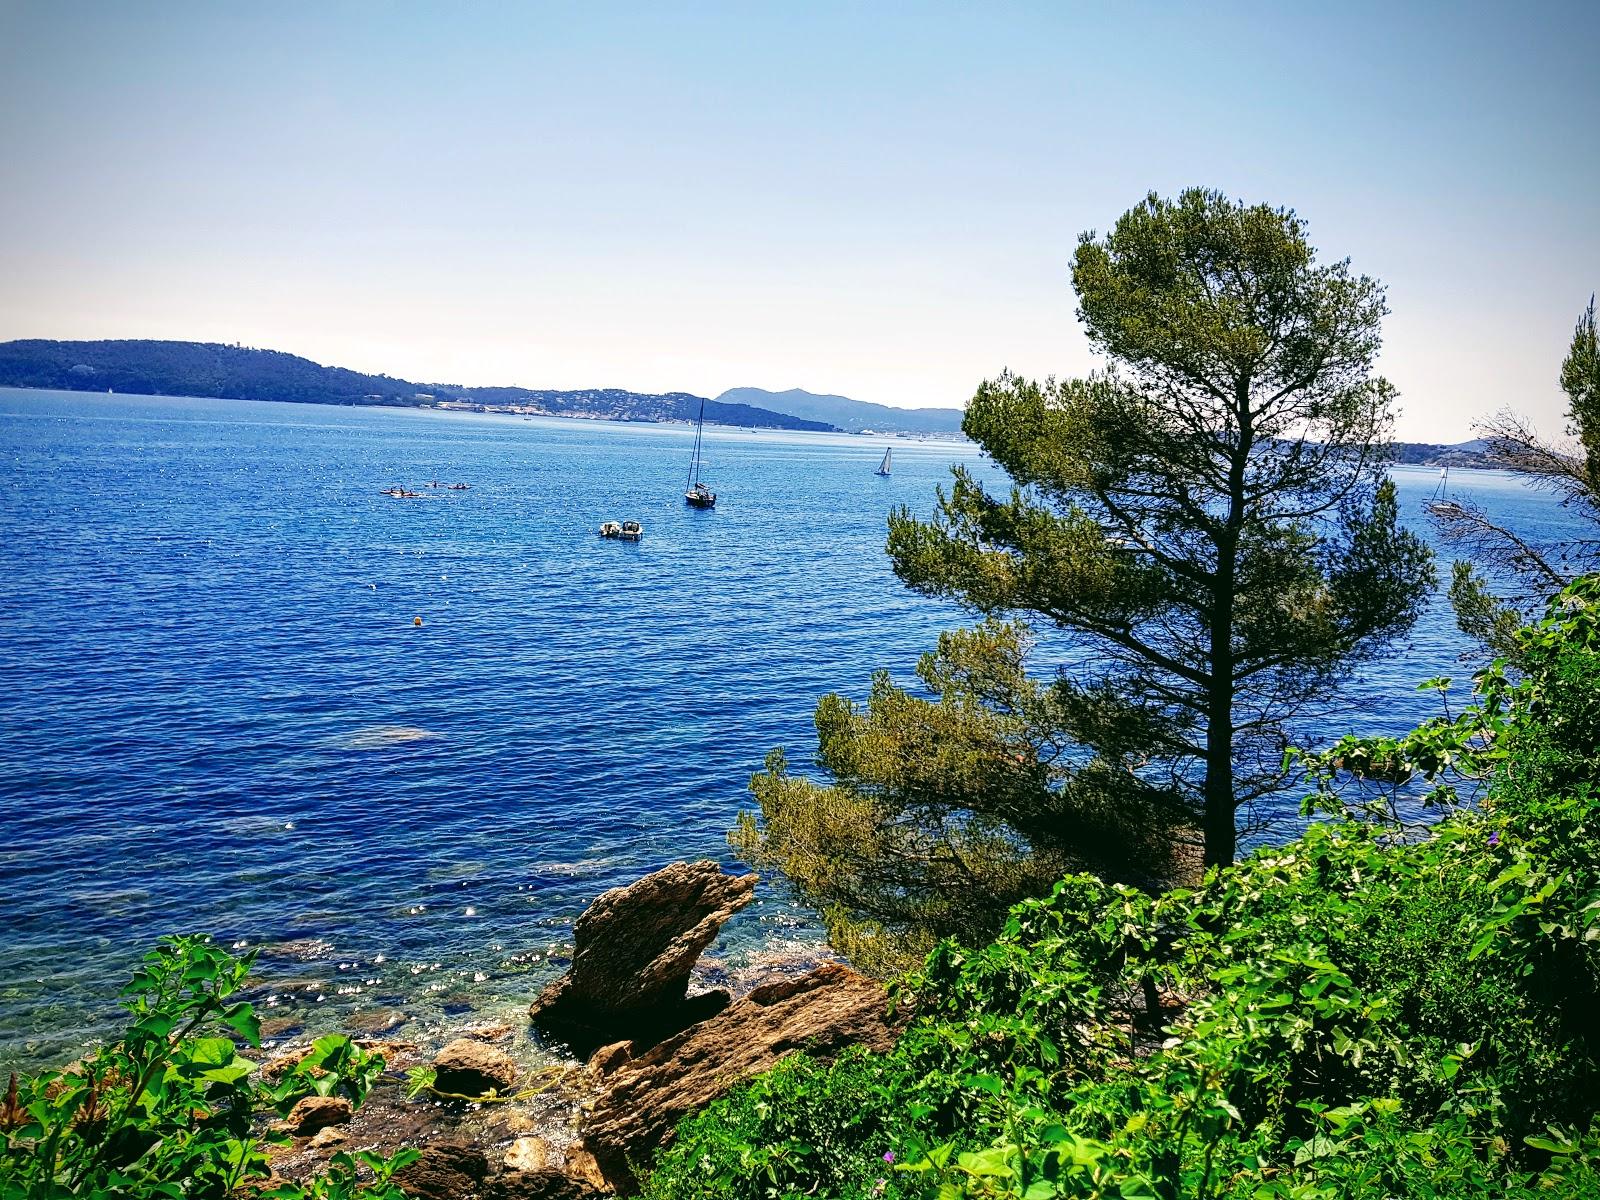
x=1217 y=819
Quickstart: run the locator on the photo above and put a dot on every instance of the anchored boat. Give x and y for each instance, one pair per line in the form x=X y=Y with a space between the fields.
x=1439 y=504
x=697 y=494
x=627 y=531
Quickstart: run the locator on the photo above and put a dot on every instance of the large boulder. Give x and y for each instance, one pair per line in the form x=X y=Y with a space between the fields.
x=644 y=1097
x=633 y=950
x=468 y=1068
x=446 y=1171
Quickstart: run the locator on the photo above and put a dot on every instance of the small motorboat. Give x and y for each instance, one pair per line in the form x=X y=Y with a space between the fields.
x=628 y=531
x=400 y=493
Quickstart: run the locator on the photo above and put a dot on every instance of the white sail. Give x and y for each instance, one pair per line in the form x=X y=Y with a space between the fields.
x=883 y=467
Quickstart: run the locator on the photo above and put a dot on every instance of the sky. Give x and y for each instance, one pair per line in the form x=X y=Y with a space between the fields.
x=878 y=200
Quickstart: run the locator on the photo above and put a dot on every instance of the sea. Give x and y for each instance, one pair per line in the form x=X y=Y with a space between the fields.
x=396 y=745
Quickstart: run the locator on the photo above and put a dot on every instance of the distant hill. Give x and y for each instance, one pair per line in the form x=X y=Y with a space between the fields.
x=242 y=373
x=1431 y=454
x=848 y=414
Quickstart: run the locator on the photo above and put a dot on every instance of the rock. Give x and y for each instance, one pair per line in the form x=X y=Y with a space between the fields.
x=581 y=1165
x=643 y=1099
x=542 y=1185
x=444 y=1172
x=277 y=1027
x=330 y=1137
x=468 y=1068
x=312 y=1113
x=634 y=948
x=514 y=1120
x=608 y=1058
x=376 y=1020
x=528 y=1154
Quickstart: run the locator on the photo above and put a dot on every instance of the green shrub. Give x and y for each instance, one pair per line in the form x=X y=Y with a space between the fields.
x=1369 y=1010
x=171 y=1109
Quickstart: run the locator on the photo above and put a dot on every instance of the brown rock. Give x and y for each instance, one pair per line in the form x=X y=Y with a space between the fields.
x=528 y=1154
x=633 y=950
x=468 y=1068
x=376 y=1020
x=822 y=1012
x=445 y=1172
x=581 y=1165
x=312 y=1113
x=277 y=1027
x=515 y=1121
x=608 y=1058
x=330 y=1137
x=542 y=1185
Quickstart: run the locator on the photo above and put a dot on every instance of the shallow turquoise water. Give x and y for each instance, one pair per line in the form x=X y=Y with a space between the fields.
x=218 y=713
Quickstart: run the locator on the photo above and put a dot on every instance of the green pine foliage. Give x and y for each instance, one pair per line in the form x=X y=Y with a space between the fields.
x=947 y=807
x=1370 y=1010
x=1210 y=515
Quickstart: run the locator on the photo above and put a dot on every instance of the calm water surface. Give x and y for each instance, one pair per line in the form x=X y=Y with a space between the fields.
x=217 y=713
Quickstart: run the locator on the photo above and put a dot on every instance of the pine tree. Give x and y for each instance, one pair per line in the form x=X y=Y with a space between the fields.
x=1209 y=517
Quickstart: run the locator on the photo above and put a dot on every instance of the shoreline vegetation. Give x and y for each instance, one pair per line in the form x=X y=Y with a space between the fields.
x=1042 y=998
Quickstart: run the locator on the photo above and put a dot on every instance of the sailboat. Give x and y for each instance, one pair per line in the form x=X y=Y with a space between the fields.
x=697 y=494
x=1437 y=504
x=883 y=467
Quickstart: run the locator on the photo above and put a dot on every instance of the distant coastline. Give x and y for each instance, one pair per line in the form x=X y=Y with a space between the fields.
x=214 y=371
x=210 y=370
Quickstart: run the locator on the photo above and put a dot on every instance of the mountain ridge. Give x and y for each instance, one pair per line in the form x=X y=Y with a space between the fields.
x=235 y=372
x=853 y=416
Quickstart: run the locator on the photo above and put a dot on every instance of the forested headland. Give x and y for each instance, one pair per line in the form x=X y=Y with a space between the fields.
x=208 y=369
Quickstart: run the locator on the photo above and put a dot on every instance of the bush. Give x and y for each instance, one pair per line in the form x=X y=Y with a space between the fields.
x=171 y=1109
x=1362 y=1012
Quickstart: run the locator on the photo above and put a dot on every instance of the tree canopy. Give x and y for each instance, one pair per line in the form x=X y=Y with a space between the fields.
x=947 y=808
x=1209 y=514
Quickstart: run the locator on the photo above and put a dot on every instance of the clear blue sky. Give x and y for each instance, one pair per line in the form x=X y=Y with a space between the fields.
x=879 y=200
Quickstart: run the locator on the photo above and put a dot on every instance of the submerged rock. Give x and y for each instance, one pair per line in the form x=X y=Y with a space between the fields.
x=634 y=948
x=643 y=1098
x=468 y=1068
x=376 y=1020
x=528 y=1154
x=312 y=1113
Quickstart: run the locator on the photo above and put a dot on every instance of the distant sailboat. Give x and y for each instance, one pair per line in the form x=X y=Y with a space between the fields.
x=1437 y=504
x=883 y=467
x=697 y=494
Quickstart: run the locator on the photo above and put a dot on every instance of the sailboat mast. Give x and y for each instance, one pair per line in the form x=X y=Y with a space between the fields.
x=699 y=430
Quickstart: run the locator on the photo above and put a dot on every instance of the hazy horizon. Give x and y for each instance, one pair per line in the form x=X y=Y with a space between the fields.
x=880 y=205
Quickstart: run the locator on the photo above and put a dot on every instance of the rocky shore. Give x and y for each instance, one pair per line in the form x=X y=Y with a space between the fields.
x=630 y=1039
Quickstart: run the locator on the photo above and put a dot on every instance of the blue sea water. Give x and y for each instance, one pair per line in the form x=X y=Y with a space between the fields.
x=217 y=711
